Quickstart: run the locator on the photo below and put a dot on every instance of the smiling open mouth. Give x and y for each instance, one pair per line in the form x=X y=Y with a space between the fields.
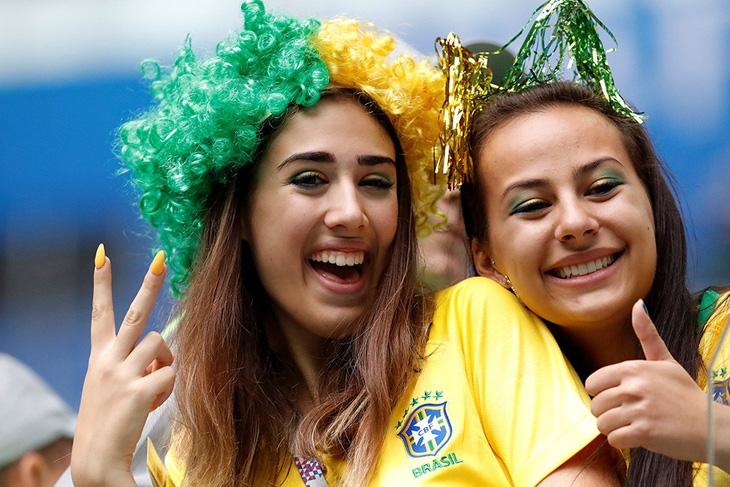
x=586 y=268
x=338 y=266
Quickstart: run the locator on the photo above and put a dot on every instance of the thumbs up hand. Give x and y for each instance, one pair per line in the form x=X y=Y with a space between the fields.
x=652 y=403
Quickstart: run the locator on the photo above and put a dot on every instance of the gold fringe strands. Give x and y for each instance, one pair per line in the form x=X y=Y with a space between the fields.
x=563 y=37
x=468 y=84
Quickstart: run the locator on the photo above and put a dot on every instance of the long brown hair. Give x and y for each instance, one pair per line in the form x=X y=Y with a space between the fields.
x=238 y=422
x=670 y=302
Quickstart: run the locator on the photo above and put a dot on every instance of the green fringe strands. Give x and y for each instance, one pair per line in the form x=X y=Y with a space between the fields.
x=564 y=35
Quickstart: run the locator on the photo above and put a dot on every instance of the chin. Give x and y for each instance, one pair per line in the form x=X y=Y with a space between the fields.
x=590 y=316
x=339 y=327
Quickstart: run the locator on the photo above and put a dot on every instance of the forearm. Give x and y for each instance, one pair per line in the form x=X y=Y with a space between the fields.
x=90 y=477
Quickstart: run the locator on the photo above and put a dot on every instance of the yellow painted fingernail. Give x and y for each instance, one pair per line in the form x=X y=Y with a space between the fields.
x=100 y=256
x=158 y=263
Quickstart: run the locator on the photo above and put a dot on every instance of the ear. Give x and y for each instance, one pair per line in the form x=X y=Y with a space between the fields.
x=31 y=469
x=483 y=262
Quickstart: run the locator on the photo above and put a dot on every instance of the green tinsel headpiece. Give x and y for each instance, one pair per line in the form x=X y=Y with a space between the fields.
x=206 y=123
x=563 y=38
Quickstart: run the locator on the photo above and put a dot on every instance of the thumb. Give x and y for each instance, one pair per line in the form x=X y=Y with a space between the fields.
x=652 y=344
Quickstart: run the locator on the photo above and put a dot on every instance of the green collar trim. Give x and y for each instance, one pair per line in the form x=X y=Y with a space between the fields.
x=708 y=303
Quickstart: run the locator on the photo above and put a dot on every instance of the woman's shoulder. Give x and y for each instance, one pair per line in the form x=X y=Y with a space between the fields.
x=475 y=290
x=481 y=306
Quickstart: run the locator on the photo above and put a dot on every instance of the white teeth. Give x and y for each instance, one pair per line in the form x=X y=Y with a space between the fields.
x=583 y=269
x=340 y=259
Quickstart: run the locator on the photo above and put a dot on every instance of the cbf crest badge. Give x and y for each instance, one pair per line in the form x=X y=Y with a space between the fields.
x=721 y=391
x=426 y=430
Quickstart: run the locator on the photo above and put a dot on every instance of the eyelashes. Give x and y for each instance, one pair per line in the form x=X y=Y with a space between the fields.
x=310 y=180
x=307 y=180
x=603 y=188
x=529 y=206
x=378 y=182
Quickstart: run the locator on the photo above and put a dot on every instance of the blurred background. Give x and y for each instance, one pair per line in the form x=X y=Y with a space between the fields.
x=69 y=76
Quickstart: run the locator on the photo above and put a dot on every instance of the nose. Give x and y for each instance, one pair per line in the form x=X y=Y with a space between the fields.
x=345 y=208
x=575 y=222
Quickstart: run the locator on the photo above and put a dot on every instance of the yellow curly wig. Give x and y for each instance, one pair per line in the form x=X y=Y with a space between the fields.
x=411 y=93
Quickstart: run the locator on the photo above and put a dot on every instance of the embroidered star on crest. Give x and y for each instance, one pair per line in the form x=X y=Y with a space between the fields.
x=414 y=401
x=426 y=395
x=439 y=395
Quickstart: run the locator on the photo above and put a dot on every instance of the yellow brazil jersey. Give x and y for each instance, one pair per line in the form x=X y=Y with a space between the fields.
x=718 y=374
x=496 y=403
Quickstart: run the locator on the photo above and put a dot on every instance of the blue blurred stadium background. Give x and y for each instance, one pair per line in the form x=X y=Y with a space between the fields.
x=69 y=75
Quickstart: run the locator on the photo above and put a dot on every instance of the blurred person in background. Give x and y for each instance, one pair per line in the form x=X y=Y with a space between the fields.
x=36 y=428
x=446 y=252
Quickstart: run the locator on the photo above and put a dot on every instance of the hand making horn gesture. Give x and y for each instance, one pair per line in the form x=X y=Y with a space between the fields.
x=652 y=403
x=124 y=382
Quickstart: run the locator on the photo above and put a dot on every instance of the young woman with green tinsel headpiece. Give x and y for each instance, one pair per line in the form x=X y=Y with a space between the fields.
x=569 y=207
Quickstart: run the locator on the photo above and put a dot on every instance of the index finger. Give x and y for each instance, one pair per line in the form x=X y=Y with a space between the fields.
x=602 y=379
x=139 y=311
x=102 y=306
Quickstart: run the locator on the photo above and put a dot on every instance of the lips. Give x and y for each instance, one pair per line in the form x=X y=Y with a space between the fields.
x=584 y=268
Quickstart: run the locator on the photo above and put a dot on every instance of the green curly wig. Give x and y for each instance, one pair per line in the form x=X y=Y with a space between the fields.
x=206 y=123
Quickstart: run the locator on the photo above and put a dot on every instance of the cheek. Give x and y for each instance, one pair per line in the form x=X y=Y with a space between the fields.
x=388 y=224
x=513 y=242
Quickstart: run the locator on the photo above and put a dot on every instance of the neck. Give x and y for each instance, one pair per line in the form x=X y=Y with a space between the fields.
x=592 y=347
x=306 y=353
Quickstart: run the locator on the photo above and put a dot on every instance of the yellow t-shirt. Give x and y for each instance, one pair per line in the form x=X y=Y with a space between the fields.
x=719 y=375
x=496 y=402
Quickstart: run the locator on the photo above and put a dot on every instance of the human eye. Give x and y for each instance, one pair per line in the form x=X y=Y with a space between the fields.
x=604 y=187
x=529 y=207
x=377 y=181
x=308 y=180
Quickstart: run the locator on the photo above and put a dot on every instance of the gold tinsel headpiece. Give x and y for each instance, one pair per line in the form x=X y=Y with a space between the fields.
x=563 y=38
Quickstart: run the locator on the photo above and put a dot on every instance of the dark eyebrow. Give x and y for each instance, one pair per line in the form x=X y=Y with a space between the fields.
x=374 y=160
x=525 y=184
x=586 y=168
x=321 y=156
x=534 y=183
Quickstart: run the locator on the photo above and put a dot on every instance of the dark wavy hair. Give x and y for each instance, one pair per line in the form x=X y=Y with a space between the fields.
x=670 y=302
